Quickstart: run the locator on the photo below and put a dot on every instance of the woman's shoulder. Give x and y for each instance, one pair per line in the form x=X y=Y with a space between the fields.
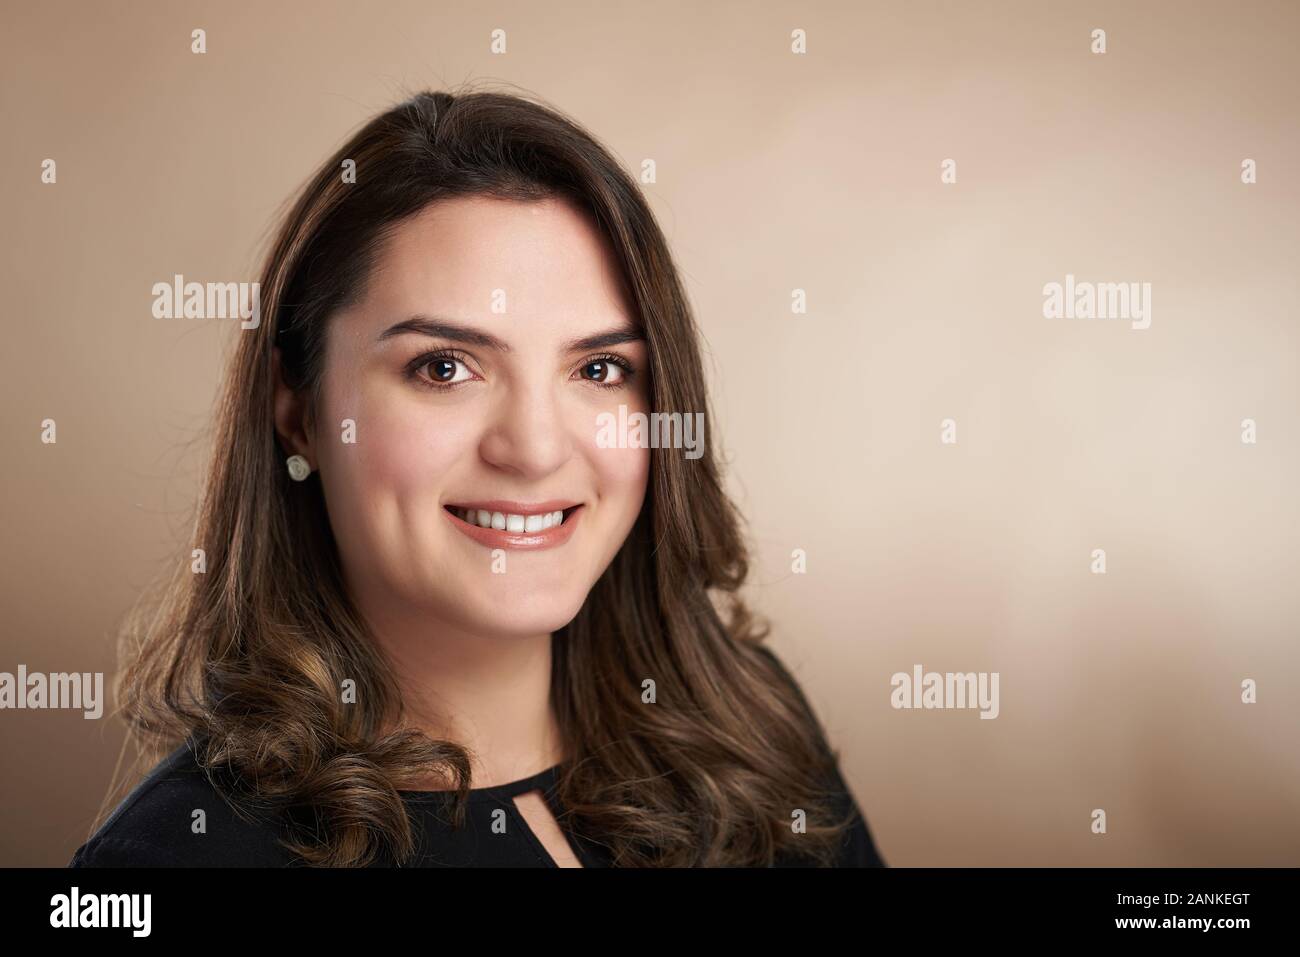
x=176 y=817
x=857 y=848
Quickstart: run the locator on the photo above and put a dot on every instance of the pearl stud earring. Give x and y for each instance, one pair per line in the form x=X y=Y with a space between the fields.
x=298 y=468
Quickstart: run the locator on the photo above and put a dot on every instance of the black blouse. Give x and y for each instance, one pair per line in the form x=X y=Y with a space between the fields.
x=153 y=827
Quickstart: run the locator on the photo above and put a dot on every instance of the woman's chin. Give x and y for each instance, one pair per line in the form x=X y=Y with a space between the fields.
x=523 y=614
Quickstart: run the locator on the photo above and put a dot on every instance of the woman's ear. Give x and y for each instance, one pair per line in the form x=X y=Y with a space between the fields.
x=293 y=425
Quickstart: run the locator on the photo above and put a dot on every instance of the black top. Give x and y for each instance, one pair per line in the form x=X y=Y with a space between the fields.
x=152 y=827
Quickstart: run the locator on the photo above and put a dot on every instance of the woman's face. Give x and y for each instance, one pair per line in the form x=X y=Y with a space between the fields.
x=492 y=335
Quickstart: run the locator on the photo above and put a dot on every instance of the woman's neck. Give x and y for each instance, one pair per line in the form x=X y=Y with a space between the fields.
x=491 y=695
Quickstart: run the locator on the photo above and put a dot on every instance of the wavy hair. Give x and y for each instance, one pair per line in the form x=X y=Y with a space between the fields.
x=247 y=659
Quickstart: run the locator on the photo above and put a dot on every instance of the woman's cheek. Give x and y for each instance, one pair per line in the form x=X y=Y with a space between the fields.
x=384 y=467
x=403 y=445
x=624 y=475
x=414 y=454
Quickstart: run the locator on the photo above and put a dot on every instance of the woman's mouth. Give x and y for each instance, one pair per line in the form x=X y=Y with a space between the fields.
x=512 y=525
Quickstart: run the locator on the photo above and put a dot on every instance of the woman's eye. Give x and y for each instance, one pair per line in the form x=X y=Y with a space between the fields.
x=446 y=371
x=603 y=372
x=443 y=371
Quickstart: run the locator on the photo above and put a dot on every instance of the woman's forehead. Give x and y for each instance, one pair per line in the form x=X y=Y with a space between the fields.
x=524 y=269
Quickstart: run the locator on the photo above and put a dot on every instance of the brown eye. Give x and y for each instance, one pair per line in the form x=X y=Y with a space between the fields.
x=441 y=370
x=606 y=373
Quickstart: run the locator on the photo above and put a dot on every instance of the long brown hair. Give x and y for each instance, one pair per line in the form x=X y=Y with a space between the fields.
x=247 y=659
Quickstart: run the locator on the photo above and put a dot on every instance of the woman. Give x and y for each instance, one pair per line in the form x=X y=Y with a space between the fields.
x=435 y=620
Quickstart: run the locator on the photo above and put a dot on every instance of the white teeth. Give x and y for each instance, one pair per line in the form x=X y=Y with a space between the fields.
x=503 y=521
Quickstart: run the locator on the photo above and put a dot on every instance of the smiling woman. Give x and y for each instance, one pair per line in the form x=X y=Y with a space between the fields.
x=426 y=572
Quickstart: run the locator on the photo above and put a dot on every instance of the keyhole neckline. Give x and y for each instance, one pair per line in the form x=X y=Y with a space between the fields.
x=545 y=780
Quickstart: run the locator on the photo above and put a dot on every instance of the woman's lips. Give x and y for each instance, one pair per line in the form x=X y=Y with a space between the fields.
x=504 y=538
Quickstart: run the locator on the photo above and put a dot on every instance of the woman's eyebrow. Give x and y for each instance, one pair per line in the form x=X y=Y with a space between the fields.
x=603 y=340
x=444 y=329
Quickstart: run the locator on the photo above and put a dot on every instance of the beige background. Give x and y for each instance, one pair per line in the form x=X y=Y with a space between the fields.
x=775 y=172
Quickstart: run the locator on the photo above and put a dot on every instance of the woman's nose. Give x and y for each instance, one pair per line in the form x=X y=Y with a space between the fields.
x=527 y=433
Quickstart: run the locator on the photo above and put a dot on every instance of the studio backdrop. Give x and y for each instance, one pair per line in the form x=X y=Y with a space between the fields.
x=1000 y=307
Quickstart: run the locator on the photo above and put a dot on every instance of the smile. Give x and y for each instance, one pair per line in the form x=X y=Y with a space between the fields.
x=499 y=524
